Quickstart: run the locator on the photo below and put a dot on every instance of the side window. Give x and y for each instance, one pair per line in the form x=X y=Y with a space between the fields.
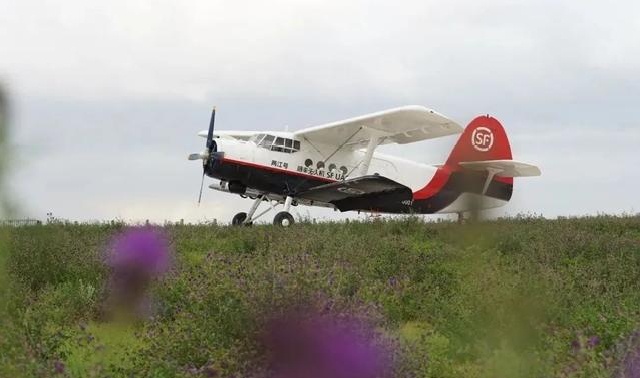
x=278 y=145
x=288 y=143
x=296 y=145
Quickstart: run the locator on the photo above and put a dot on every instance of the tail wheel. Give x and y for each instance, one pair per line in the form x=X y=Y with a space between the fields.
x=283 y=219
x=239 y=219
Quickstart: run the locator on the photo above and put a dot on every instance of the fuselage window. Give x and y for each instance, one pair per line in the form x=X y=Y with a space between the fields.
x=296 y=145
x=278 y=145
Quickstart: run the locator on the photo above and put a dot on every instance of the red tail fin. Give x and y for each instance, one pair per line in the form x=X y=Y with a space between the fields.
x=483 y=139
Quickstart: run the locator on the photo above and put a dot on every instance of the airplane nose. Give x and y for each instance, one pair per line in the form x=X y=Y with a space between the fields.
x=213 y=161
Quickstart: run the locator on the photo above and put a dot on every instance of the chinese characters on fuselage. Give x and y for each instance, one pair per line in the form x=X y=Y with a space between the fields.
x=321 y=173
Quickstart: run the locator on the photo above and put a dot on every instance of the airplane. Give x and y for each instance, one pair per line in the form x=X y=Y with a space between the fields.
x=336 y=165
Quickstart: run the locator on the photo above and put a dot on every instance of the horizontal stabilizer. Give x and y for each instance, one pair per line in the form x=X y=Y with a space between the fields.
x=504 y=168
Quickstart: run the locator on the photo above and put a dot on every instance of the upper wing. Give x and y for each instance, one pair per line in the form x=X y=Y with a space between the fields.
x=242 y=135
x=504 y=168
x=400 y=125
x=361 y=193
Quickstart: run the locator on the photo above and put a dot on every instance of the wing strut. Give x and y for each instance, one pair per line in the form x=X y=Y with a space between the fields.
x=491 y=173
x=368 y=155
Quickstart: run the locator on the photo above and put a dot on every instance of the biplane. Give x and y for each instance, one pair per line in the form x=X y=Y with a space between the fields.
x=336 y=165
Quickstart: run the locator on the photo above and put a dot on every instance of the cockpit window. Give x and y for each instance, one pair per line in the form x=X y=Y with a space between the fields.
x=256 y=138
x=279 y=144
x=266 y=141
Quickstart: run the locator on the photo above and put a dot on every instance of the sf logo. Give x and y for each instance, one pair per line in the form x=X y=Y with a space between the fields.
x=482 y=139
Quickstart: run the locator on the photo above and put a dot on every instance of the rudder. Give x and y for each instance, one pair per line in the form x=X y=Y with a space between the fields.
x=483 y=139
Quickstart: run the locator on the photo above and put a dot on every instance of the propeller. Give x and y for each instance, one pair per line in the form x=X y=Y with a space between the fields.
x=209 y=152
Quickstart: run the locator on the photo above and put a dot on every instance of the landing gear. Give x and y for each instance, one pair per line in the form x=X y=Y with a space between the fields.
x=283 y=219
x=239 y=219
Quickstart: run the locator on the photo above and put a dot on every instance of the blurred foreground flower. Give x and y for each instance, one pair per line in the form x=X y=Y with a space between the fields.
x=631 y=362
x=323 y=346
x=136 y=257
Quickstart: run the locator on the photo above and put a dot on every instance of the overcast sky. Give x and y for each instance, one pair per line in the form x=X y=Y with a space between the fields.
x=108 y=96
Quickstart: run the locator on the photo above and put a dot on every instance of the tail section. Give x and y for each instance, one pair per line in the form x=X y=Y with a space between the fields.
x=480 y=164
x=483 y=139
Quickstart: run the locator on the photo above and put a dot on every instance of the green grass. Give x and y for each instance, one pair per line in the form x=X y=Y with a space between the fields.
x=505 y=298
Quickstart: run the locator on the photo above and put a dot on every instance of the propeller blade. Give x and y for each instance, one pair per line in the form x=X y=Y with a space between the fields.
x=207 y=154
x=201 y=185
x=210 y=133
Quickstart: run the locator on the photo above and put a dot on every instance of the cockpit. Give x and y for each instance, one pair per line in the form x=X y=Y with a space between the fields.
x=276 y=143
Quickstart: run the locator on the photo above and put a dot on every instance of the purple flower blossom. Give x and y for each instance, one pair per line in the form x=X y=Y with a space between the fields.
x=136 y=256
x=311 y=346
x=143 y=249
x=632 y=369
x=575 y=346
x=631 y=362
x=58 y=367
x=593 y=341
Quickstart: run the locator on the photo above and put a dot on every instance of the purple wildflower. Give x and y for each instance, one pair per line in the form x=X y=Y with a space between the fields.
x=633 y=367
x=576 y=346
x=136 y=257
x=324 y=347
x=58 y=367
x=143 y=249
x=593 y=341
x=631 y=362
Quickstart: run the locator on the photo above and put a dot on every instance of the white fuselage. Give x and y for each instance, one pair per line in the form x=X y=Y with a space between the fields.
x=332 y=163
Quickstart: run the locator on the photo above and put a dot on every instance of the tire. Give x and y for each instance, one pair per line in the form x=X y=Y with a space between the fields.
x=238 y=219
x=283 y=219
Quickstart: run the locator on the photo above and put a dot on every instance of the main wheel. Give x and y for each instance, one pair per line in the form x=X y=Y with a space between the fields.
x=283 y=219
x=239 y=219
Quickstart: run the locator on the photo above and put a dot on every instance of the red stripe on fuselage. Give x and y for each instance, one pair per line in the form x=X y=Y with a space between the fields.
x=505 y=180
x=434 y=186
x=441 y=178
x=275 y=169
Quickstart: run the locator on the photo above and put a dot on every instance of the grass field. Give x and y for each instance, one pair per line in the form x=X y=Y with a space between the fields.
x=522 y=297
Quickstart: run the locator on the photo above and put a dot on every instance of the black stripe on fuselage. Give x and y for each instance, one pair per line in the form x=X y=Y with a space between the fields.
x=264 y=178
x=463 y=182
x=278 y=181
